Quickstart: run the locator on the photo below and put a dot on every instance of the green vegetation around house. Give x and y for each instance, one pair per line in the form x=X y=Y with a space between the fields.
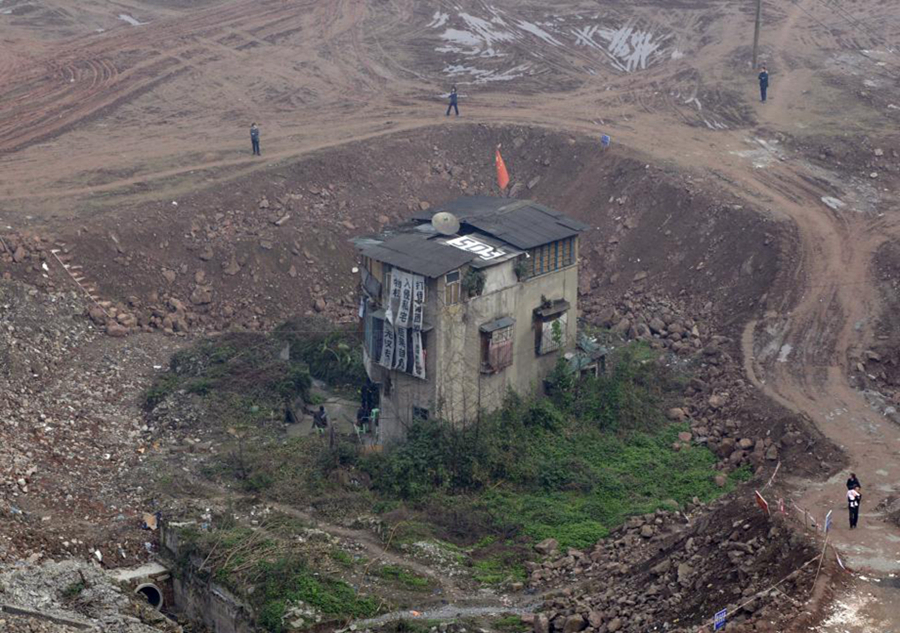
x=572 y=465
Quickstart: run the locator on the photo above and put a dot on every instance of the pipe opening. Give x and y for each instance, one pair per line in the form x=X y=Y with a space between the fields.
x=152 y=593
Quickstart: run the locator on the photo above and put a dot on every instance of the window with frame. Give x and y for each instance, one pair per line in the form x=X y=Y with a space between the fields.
x=550 y=333
x=551 y=257
x=452 y=287
x=497 y=349
x=374 y=333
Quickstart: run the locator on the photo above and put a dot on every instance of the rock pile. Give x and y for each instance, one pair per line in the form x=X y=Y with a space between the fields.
x=75 y=592
x=716 y=391
x=70 y=432
x=672 y=571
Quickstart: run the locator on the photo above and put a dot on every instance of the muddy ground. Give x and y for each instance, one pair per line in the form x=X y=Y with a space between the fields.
x=773 y=224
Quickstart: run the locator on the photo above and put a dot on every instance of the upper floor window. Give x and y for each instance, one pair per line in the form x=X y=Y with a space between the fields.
x=452 y=287
x=550 y=257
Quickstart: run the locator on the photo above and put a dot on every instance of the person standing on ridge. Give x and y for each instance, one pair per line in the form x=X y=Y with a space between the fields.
x=853 y=499
x=763 y=84
x=254 y=138
x=454 y=100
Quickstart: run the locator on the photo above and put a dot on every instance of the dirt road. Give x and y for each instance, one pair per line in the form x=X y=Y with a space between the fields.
x=154 y=109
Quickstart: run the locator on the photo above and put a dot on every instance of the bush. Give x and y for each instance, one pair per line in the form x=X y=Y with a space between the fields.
x=567 y=468
x=289 y=580
x=334 y=355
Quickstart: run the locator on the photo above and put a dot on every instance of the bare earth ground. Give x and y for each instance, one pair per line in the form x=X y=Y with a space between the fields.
x=98 y=116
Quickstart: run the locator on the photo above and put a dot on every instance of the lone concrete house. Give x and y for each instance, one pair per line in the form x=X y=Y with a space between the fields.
x=464 y=303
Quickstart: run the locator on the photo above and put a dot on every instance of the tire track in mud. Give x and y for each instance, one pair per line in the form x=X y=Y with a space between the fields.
x=81 y=81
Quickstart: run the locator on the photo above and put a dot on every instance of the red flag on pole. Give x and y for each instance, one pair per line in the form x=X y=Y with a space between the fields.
x=502 y=174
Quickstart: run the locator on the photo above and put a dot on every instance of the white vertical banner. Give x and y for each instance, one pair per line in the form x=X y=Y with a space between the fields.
x=402 y=351
x=404 y=308
x=418 y=368
x=418 y=310
x=387 y=347
x=396 y=292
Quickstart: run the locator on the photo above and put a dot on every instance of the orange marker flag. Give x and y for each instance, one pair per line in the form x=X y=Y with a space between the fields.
x=502 y=174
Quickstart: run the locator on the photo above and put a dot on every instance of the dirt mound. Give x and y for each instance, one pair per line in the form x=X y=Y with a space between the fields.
x=262 y=249
x=68 y=437
x=879 y=367
x=674 y=571
x=72 y=596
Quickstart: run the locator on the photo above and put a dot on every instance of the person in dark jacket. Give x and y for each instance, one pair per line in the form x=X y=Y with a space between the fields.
x=254 y=139
x=320 y=420
x=854 y=497
x=853 y=482
x=763 y=84
x=454 y=100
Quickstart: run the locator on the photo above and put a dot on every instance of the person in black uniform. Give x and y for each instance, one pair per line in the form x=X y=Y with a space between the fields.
x=853 y=482
x=254 y=139
x=763 y=84
x=454 y=99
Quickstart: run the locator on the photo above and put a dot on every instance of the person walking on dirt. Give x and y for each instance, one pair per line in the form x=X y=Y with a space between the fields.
x=854 y=497
x=763 y=83
x=454 y=99
x=254 y=138
x=320 y=420
x=853 y=482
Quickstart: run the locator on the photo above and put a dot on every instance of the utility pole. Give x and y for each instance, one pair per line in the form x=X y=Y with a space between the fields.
x=756 y=31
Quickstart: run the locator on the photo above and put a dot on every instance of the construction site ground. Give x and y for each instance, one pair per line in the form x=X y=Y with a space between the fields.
x=134 y=217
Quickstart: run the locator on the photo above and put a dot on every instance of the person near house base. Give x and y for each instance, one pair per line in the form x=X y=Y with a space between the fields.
x=362 y=420
x=854 y=497
x=763 y=83
x=254 y=138
x=853 y=482
x=454 y=102
x=320 y=420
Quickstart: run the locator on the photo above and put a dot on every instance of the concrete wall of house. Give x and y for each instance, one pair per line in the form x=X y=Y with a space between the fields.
x=455 y=388
x=462 y=388
x=407 y=391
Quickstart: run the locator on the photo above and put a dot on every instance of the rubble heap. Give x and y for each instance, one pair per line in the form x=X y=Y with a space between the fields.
x=77 y=593
x=70 y=432
x=672 y=571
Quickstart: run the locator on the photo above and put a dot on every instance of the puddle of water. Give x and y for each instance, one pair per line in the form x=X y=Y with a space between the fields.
x=132 y=21
x=834 y=203
x=439 y=20
x=627 y=48
x=784 y=352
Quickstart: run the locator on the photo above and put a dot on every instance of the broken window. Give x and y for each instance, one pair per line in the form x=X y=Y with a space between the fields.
x=550 y=321
x=497 y=345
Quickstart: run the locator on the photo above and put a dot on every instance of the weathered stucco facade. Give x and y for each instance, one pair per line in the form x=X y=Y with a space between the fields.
x=478 y=343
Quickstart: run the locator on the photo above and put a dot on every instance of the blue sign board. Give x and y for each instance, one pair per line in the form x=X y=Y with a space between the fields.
x=828 y=521
x=719 y=622
x=605 y=140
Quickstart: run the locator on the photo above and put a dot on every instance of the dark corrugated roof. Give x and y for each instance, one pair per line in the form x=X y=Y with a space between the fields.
x=521 y=223
x=502 y=322
x=417 y=253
